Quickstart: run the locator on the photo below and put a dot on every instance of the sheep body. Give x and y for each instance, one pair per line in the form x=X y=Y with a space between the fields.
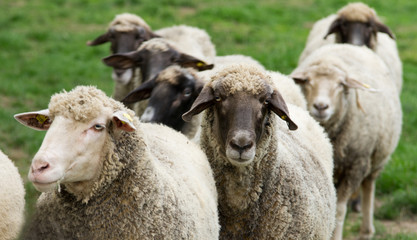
x=287 y=191
x=364 y=126
x=152 y=182
x=12 y=199
x=382 y=44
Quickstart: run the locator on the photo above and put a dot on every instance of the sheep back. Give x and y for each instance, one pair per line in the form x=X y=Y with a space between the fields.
x=12 y=199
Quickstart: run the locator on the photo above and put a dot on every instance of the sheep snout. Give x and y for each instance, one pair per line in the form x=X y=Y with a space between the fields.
x=241 y=147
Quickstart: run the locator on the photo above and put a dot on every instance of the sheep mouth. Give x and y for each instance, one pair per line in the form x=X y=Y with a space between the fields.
x=44 y=187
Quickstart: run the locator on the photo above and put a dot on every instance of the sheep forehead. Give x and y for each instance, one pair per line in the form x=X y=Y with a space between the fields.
x=325 y=72
x=357 y=12
x=241 y=78
x=155 y=45
x=82 y=104
x=127 y=22
x=173 y=73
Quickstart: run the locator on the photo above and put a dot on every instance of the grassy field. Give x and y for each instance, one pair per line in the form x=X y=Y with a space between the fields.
x=43 y=50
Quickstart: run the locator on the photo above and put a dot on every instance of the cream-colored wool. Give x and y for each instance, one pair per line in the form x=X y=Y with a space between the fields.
x=153 y=183
x=12 y=199
x=126 y=22
x=384 y=46
x=366 y=129
x=290 y=91
x=287 y=192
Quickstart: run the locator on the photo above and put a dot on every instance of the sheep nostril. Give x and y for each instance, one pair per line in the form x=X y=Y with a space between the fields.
x=41 y=168
x=240 y=147
x=321 y=106
x=119 y=72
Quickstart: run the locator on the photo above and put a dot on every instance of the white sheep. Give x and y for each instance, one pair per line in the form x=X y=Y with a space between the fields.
x=172 y=92
x=350 y=91
x=272 y=183
x=358 y=24
x=105 y=175
x=12 y=199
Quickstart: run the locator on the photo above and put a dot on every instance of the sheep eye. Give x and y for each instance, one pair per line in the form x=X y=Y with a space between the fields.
x=187 y=92
x=99 y=127
x=266 y=102
x=217 y=98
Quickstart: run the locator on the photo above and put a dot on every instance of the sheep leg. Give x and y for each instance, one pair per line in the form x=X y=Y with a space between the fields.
x=368 y=196
x=341 y=208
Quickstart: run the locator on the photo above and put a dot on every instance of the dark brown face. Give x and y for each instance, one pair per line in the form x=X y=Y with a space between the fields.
x=123 y=42
x=240 y=119
x=168 y=100
x=357 y=33
x=152 y=62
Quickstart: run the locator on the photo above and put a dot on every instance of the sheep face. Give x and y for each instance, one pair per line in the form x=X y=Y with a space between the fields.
x=170 y=95
x=121 y=42
x=326 y=89
x=72 y=151
x=153 y=60
x=240 y=115
x=358 y=24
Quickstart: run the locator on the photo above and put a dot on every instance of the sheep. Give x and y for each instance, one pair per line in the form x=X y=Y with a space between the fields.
x=105 y=175
x=12 y=199
x=159 y=53
x=174 y=89
x=272 y=183
x=350 y=91
x=358 y=24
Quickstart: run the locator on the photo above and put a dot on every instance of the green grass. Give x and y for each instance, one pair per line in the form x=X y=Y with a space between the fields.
x=42 y=51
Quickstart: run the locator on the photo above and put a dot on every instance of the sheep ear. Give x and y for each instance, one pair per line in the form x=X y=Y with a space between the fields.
x=36 y=120
x=186 y=60
x=123 y=60
x=99 y=40
x=277 y=105
x=140 y=93
x=123 y=121
x=384 y=29
x=334 y=27
x=353 y=83
x=204 y=100
x=299 y=77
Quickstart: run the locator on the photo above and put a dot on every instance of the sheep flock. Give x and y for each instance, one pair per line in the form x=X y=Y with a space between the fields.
x=195 y=145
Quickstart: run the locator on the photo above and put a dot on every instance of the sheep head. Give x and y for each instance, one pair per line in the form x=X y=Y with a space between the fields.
x=125 y=34
x=242 y=98
x=171 y=93
x=75 y=144
x=358 y=24
x=326 y=88
x=154 y=56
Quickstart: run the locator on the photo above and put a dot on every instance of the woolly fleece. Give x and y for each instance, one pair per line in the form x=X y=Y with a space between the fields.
x=287 y=193
x=153 y=184
x=12 y=199
x=126 y=22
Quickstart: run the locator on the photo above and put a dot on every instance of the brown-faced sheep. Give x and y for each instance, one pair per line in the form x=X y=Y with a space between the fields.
x=273 y=183
x=357 y=24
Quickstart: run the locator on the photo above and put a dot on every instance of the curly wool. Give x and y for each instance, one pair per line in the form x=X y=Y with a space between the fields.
x=146 y=188
x=358 y=11
x=12 y=199
x=126 y=22
x=287 y=192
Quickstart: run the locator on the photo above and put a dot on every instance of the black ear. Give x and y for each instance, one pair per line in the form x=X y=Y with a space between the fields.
x=334 y=27
x=384 y=29
x=277 y=105
x=204 y=100
x=99 y=40
x=140 y=93
x=123 y=60
x=185 y=60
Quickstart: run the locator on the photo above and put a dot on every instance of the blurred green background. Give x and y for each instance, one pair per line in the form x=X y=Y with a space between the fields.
x=43 y=50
